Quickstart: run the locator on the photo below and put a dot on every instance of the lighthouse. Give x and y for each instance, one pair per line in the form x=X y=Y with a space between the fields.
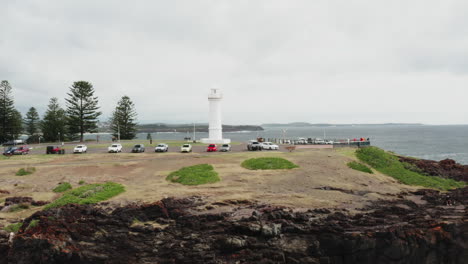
x=215 y=128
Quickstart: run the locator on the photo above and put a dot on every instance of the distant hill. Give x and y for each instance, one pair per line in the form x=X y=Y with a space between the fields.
x=305 y=124
x=161 y=127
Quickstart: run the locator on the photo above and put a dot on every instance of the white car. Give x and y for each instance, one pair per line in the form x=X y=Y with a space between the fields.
x=161 y=148
x=319 y=141
x=225 y=147
x=186 y=148
x=115 y=148
x=80 y=149
x=270 y=146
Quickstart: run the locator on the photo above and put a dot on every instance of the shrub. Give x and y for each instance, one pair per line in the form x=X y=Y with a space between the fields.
x=25 y=171
x=390 y=165
x=194 y=175
x=13 y=227
x=81 y=182
x=18 y=207
x=88 y=194
x=268 y=164
x=359 y=167
x=64 y=186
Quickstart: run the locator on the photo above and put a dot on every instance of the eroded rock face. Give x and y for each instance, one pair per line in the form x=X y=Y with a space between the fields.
x=447 y=168
x=184 y=231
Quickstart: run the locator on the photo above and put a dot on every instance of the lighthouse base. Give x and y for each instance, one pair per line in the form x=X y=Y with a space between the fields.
x=216 y=141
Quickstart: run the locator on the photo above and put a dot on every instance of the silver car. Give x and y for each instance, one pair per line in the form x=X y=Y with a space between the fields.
x=225 y=148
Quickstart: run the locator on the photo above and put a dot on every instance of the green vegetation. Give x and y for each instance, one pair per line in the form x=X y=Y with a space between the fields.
x=359 y=167
x=18 y=207
x=64 y=186
x=88 y=194
x=194 y=175
x=33 y=224
x=81 y=182
x=389 y=164
x=268 y=164
x=25 y=171
x=13 y=227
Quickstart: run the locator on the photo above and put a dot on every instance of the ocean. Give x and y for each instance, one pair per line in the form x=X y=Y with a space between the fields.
x=421 y=141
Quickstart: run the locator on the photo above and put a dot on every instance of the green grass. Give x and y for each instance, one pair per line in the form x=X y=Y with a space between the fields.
x=13 y=227
x=33 y=224
x=389 y=164
x=359 y=167
x=88 y=194
x=81 y=182
x=194 y=175
x=18 y=207
x=64 y=186
x=268 y=164
x=25 y=171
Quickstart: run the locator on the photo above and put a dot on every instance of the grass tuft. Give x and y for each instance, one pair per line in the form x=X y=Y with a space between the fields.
x=64 y=186
x=194 y=175
x=13 y=227
x=359 y=167
x=389 y=164
x=81 y=182
x=268 y=164
x=33 y=224
x=25 y=171
x=18 y=207
x=88 y=194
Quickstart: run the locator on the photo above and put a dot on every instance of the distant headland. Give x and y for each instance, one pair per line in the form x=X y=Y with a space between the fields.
x=305 y=124
x=161 y=127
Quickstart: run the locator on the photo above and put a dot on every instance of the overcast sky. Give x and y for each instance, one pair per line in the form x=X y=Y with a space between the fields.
x=275 y=61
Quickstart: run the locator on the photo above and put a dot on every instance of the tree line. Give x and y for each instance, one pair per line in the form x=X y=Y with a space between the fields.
x=80 y=115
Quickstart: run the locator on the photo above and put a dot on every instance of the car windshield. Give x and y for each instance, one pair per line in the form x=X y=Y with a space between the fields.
x=186 y=146
x=161 y=145
x=212 y=146
x=225 y=145
x=79 y=146
x=114 y=146
x=137 y=146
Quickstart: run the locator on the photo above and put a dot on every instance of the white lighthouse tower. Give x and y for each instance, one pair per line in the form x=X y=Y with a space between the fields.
x=215 y=127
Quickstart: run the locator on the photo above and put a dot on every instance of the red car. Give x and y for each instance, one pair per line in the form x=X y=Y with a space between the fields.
x=211 y=148
x=23 y=150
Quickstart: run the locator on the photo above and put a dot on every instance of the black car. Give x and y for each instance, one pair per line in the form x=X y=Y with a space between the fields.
x=9 y=151
x=138 y=148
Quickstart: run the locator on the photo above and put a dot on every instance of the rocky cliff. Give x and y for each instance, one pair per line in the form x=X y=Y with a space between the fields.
x=421 y=227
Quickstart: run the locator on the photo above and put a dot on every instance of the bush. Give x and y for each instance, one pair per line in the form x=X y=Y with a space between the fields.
x=268 y=164
x=18 y=207
x=13 y=227
x=88 y=194
x=359 y=167
x=25 y=171
x=64 y=186
x=194 y=175
x=390 y=165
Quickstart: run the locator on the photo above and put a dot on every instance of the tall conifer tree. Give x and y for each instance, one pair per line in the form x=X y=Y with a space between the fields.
x=124 y=119
x=54 y=122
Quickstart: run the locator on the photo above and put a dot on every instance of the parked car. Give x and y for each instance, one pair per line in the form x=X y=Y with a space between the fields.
x=254 y=145
x=23 y=150
x=301 y=141
x=225 y=148
x=211 y=148
x=329 y=142
x=186 y=148
x=319 y=141
x=55 y=150
x=138 y=148
x=9 y=151
x=161 y=148
x=80 y=149
x=115 y=148
x=270 y=146
x=13 y=142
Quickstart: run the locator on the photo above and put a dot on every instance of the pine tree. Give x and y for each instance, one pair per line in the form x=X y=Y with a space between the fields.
x=82 y=109
x=123 y=119
x=53 y=125
x=31 y=122
x=9 y=126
